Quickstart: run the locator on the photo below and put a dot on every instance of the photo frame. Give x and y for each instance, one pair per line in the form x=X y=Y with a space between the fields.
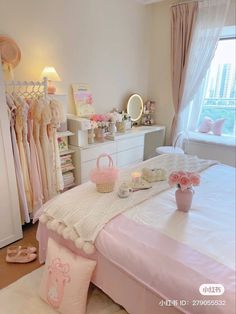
x=83 y=100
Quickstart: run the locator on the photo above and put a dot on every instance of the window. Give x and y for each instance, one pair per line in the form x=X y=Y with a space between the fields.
x=219 y=92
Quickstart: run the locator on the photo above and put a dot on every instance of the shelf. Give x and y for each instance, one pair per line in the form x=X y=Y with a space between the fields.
x=69 y=169
x=66 y=152
x=63 y=134
x=69 y=186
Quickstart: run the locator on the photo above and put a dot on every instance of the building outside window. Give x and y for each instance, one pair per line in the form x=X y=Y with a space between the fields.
x=219 y=96
x=216 y=97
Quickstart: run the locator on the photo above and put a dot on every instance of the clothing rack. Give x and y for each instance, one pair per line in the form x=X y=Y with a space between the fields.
x=27 y=88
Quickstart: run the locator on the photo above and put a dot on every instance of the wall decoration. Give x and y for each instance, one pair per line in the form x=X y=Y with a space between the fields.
x=83 y=100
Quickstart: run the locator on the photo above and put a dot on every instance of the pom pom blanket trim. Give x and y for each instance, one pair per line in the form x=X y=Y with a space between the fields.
x=81 y=213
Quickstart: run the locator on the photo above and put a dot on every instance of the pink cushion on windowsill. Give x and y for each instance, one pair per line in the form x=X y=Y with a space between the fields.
x=66 y=279
x=208 y=125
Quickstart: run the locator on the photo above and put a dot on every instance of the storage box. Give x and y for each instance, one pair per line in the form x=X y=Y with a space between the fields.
x=76 y=123
x=79 y=139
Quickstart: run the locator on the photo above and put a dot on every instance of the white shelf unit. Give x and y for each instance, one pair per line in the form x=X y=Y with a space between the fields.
x=66 y=152
x=67 y=162
x=64 y=134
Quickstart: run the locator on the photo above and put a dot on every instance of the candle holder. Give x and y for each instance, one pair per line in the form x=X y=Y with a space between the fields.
x=136 y=177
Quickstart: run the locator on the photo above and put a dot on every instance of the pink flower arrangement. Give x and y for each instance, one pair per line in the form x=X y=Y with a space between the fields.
x=183 y=179
x=99 y=120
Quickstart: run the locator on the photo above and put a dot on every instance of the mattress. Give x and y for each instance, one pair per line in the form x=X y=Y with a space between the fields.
x=153 y=259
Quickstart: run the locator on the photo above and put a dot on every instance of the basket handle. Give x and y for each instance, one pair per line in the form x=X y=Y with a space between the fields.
x=105 y=155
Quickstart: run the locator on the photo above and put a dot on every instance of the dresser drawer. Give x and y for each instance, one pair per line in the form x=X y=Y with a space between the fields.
x=93 y=152
x=125 y=144
x=87 y=166
x=130 y=156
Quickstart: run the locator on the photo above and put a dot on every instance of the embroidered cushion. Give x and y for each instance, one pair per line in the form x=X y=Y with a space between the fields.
x=66 y=279
x=208 y=125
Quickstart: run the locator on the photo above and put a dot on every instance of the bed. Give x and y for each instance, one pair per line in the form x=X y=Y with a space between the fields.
x=153 y=259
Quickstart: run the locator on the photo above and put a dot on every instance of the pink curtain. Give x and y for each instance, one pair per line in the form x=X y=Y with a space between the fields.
x=182 y=25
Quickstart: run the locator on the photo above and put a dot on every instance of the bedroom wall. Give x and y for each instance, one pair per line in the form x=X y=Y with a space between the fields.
x=100 y=42
x=159 y=82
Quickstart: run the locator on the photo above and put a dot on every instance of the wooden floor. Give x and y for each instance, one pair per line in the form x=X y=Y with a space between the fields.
x=11 y=272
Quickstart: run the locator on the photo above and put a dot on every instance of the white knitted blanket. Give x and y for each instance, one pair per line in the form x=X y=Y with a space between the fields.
x=80 y=213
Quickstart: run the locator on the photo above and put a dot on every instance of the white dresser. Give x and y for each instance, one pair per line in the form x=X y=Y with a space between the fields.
x=127 y=148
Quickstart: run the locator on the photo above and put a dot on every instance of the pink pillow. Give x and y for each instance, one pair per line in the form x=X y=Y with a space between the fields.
x=208 y=125
x=66 y=279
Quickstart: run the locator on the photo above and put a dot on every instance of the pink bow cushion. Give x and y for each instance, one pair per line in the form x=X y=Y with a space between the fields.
x=208 y=125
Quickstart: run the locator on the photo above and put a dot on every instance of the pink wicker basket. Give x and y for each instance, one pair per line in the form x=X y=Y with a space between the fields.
x=104 y=177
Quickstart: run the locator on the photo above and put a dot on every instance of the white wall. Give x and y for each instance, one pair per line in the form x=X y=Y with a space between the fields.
x=100 y=42
x=104 y=43
x=159 y=83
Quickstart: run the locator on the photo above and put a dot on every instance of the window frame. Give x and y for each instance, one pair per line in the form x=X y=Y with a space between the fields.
x=228 y=33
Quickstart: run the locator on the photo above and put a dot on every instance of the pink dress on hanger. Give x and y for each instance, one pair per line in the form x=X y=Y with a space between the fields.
x=19 y=176
x=20 y=115
x=25 y=133
x=37 y=114
x=35 y=178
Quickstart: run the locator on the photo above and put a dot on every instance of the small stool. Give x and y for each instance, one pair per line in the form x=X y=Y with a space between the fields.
x=169 y=150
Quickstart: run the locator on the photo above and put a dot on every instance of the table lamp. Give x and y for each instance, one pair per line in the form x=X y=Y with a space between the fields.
x=51 y=74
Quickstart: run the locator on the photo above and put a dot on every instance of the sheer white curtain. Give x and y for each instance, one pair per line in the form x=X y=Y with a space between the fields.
x=209 y=23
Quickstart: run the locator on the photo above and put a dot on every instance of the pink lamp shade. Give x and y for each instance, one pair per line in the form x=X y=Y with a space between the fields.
x=51 y=74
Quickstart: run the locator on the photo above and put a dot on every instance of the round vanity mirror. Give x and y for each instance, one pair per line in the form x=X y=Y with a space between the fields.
x=135 y=107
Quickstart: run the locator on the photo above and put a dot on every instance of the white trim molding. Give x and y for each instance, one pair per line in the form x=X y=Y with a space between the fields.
x=149 y=1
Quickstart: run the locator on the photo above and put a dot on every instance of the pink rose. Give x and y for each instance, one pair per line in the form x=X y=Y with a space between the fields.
x=174 y=178
x=184 y=182
x=182 y=173
x=194 y=178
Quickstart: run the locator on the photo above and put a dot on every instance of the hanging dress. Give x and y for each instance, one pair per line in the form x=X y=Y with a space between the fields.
x=37 y=107
x=52 y=159
x=57 y=118
x=24 y=104
x=20 y=116
x=19 y=176
x=35 y=178
x=45 y=143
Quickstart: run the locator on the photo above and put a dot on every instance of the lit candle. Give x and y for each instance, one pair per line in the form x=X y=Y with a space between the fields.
x=136 y=176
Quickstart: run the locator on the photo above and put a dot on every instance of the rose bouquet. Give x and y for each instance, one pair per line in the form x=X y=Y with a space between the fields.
x=100 y=120
x=183 y=179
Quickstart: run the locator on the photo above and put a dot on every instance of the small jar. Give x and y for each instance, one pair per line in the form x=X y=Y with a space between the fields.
x=124 y=190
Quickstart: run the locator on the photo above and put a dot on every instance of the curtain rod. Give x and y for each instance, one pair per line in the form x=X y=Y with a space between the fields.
x=184 y=2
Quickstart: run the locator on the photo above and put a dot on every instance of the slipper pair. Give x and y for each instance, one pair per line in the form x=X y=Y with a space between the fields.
x=21 y=254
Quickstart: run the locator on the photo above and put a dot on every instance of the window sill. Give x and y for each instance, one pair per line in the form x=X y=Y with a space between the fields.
x=212 y=139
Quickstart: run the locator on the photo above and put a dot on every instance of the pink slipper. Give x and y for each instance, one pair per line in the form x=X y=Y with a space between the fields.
x=16 y=249
x=20 y=257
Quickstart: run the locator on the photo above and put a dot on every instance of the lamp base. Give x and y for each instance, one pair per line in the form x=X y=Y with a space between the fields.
x=51 y=89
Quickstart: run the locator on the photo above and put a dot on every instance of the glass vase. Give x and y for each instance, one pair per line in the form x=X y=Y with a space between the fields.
x=91 y=136
x=100 y=135
x=121 y=126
